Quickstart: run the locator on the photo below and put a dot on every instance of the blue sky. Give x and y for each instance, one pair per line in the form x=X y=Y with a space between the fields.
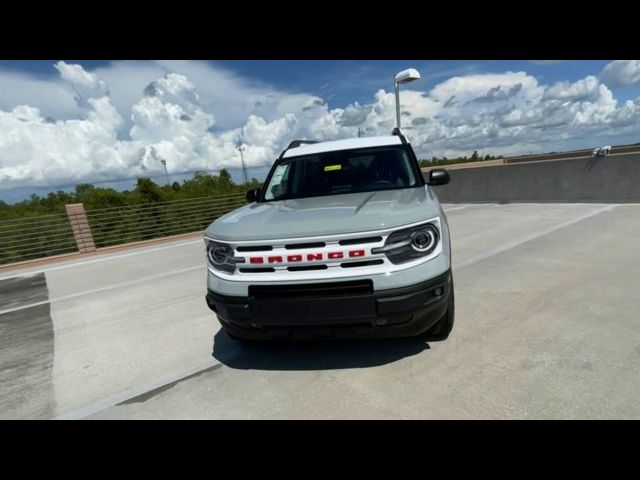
x=344 y=81
x=70 y=121
x=347 y=81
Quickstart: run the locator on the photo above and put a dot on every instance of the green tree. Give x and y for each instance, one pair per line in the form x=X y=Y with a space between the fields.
x=225 y=178
x=148 y=191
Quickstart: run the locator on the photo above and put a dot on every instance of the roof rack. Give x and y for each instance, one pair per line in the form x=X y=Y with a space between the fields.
x=297 y=143
x=396 y=131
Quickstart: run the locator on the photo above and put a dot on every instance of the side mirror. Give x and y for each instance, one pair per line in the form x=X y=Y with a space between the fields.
x=438 y=176
x=252 y=195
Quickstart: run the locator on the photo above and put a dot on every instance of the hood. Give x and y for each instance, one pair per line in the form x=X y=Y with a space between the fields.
x=329 y=215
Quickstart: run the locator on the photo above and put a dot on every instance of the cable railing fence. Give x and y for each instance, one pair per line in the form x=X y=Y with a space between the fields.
x=148 y=221
x=35 y=237
x=84 y=231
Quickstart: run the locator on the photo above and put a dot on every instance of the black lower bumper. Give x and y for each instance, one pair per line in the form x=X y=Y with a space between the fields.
x=334 y=310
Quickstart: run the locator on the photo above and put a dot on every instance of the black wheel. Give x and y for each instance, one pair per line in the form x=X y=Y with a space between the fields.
x=441 y=330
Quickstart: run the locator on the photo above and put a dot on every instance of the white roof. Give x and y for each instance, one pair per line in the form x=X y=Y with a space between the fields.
x=346 y=144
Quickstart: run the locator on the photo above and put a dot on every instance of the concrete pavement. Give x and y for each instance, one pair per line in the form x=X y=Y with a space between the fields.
x=546 y=327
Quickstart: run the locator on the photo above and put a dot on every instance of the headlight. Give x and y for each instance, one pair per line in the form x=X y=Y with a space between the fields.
x=410 y=244
x=425 y=239
x=220 y=256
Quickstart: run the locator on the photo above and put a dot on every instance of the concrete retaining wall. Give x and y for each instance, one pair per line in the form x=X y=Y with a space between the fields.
x=571 y=154
x=615 y=178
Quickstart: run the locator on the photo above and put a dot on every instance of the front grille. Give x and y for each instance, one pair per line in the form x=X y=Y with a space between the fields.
x=337 y=257
x=332 y=289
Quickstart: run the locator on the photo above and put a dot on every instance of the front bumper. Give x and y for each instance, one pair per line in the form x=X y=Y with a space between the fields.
x=342 y=309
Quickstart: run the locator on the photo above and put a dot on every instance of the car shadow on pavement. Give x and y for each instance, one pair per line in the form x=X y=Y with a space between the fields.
x=313 y=355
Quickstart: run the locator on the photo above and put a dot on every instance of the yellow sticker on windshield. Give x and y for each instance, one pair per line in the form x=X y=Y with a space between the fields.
x=330 y=168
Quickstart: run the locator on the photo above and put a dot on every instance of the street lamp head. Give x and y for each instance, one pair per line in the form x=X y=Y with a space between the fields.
x=406 y=76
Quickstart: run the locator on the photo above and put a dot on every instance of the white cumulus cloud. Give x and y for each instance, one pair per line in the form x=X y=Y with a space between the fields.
x=580 y=90
x=86 y=85
x=621 y=72
x=128 y=118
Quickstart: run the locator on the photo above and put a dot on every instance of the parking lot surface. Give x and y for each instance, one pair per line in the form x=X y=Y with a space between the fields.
x=547 y=326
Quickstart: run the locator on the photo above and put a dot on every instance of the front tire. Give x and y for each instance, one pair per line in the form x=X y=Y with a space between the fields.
x=441 y=330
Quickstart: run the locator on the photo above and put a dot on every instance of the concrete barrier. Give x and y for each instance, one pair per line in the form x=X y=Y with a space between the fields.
x=478 y=164
x=612 y=179
x=570 y=154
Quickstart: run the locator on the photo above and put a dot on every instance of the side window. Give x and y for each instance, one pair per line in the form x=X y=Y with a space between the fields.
x=278 y=184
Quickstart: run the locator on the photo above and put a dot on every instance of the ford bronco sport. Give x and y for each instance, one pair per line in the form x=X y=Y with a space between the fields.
x=344 y=239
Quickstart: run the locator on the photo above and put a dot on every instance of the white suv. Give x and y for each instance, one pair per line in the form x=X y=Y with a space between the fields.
x=344 y=239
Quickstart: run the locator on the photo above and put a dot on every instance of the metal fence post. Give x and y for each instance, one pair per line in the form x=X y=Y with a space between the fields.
x=80 y=226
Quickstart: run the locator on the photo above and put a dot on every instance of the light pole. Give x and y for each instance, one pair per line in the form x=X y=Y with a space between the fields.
x=244 y=168
x=405 y=76
x=166 y=172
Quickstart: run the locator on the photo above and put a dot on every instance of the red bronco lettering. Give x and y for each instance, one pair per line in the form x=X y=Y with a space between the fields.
x=311 y=257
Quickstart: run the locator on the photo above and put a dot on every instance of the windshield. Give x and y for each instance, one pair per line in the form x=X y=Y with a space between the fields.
x=345 y=171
